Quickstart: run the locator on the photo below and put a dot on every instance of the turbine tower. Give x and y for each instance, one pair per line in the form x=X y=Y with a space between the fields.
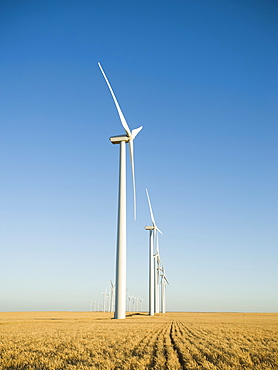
x=151 y=271
x=152 y=262
x=120 y=293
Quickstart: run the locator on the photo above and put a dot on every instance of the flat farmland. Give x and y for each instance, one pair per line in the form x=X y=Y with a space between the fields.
x=92 y=340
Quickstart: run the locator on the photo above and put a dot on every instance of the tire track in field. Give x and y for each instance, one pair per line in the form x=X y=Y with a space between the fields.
x=158 y=354
x=166 y=354
x=160 y=350
x=172 y=360
x=174 y=335
x=146 y=346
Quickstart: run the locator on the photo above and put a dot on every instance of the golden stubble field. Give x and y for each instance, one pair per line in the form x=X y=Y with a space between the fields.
x=82 y=340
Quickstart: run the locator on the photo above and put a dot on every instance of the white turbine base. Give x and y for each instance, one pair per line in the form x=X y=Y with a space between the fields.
x=151 y=276
x=120 y=288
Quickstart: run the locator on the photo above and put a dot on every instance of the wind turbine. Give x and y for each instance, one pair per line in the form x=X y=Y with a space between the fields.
x=111 y=296
x=163 y=286
x=156 y=276
x=152 y=262
x=141 y=304
x=120 y=303
x=128 y=306
x=104 y=300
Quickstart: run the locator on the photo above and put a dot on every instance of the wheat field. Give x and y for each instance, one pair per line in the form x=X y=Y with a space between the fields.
x=82 y=340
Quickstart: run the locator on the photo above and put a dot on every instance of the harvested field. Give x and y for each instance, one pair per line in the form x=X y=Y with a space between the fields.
x=69 y=340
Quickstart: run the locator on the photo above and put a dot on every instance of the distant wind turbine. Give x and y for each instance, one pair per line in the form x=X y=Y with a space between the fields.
x=164 y=281
x=108 y=302
x=134 y=304
x=128 y=307
x=141 y=304
x=120 y=304
x=152 y=262
x=111 y=296
x=104 y=300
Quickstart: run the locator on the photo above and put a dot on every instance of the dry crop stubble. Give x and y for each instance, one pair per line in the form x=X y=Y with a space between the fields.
x=72 y=340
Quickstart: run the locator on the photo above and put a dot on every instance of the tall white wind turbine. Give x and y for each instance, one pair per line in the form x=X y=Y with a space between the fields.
x=120 y=294
x=152 y=262
x=164 y=281
x=111 y=296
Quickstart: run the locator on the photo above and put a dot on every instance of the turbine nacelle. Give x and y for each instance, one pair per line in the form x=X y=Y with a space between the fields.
x=126 y=138
x=149 y=227
x=119 y=138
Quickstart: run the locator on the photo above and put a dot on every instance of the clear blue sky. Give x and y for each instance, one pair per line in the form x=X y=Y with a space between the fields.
x=201 y=77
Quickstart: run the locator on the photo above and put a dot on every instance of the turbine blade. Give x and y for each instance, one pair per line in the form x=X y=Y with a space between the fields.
x=136 y=131
x=131 y=151
x=122 y=118
x=157 y=249
x=158 y=229
x=150 y=206
x=158 y=259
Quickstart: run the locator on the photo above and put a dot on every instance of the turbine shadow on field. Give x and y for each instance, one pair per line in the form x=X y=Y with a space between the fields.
x=136 y=314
